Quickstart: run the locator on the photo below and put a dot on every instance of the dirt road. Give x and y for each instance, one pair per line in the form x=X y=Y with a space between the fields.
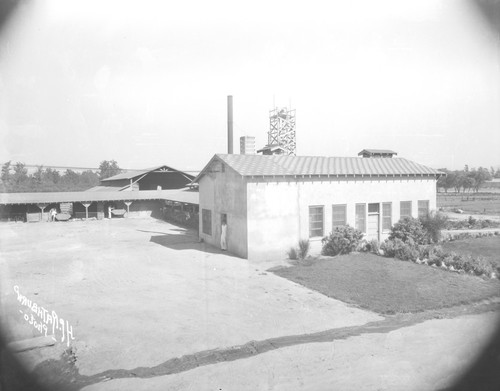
x=138 y=292
x=427 y=356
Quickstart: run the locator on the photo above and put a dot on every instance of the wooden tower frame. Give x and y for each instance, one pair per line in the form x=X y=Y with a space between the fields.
x=282 y=130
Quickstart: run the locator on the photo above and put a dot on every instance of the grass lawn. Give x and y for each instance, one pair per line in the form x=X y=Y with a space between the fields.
x=387 y=285
x=488 y=247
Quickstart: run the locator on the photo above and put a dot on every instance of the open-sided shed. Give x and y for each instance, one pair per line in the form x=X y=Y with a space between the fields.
x=87 y=204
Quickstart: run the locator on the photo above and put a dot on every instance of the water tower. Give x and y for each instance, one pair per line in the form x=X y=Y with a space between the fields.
x=282 y=130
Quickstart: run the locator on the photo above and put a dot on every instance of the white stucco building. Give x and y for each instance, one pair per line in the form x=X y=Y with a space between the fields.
x=270 y=202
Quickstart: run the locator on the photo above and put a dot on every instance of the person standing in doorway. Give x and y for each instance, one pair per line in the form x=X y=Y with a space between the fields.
x=223 y=235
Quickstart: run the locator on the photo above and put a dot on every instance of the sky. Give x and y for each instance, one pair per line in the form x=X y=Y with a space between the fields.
x=146 y=83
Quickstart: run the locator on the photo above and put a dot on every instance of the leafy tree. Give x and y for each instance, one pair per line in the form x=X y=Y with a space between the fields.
x=480 y=176
x=456 y=178
x=5 y=176
x=447 y=181
x=468 y=183
x=441 y=182
x=20 y=175
x=108 y=168
x=51 y=176
x=16 y=179
x=37 y=176
x=89 y=179
x=69 y=181
x=466 y=179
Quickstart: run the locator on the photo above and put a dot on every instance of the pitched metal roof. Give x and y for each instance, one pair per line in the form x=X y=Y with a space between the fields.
x=135 y=173
x=285 y=165
x=180 y=195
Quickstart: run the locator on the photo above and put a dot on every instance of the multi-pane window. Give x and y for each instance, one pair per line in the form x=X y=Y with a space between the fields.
x=404 y=209
x=206 y=221
x=386 y=216
x=338 y=215
x=361 y=217
x=315 y=221
x=423 y=208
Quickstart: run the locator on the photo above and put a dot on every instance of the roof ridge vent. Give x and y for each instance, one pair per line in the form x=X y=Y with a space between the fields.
x=377 y=153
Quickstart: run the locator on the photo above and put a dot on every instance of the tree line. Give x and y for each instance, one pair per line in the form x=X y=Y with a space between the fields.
x=466 y=180
x=14 y=178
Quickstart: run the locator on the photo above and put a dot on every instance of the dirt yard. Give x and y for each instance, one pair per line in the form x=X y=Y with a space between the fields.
x=151 y=308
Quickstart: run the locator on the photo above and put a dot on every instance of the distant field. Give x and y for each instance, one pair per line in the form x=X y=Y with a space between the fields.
x=477 y=203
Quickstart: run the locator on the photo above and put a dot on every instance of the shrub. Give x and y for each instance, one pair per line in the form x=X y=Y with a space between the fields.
x=388 y=248
x=423 y=251
x=292 y=254
x=303 y=248
x=482 y=266
x=409 y=227
x=406 y=251
x=435 y=255
x=342 y=240
x=373 y=246
x=363 y=246
x=433 y=223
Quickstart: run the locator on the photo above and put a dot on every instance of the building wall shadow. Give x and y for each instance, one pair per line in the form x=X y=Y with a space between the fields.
x=184 y=240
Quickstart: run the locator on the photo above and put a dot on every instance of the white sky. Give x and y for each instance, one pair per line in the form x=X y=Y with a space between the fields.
x=146 y=83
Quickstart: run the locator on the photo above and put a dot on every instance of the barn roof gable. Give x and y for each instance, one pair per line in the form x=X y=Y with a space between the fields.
x=131 y=174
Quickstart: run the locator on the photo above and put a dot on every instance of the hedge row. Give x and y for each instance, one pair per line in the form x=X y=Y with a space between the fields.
x=468 y=235
x=434 y=255
x=471 y=223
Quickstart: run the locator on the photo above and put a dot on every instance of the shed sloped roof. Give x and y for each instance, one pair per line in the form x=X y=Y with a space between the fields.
x=271 y=148
x=135 y=173
x=180 y=195
x=104 y=188
x=285 y=165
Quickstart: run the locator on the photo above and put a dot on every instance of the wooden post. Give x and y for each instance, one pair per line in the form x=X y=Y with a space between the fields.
x=100 y=210
x=128 y=203
x=86 y=205
x=42 y=207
